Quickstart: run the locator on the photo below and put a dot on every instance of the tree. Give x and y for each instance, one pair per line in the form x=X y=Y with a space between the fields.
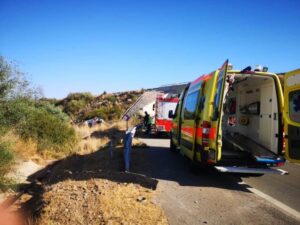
x=13 y=83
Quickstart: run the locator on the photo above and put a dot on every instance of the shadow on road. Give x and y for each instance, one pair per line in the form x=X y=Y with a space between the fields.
x=162 y=164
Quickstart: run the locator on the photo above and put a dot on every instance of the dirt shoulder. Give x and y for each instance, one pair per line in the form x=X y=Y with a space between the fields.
x=91 y=189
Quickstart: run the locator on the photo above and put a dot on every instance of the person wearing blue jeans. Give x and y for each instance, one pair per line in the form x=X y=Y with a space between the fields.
x=127 y=147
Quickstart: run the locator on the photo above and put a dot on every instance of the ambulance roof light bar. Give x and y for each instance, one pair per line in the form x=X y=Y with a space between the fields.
x=259 y=68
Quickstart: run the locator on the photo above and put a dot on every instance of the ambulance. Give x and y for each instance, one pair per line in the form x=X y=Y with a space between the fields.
x=239 y=120
x=163 y=105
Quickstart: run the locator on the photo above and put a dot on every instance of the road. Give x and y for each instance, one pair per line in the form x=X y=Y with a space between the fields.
x=285 y=189
x=211 y=197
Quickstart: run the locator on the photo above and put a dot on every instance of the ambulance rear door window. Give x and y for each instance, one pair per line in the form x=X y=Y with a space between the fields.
x=294 y=106
x=217 y=99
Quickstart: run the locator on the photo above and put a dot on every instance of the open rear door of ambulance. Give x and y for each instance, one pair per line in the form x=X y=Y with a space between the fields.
x=292 y=115
x=215 y=133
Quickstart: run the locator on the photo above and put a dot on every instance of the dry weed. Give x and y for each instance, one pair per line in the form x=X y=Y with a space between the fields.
x=130 y=204
x=100 y=201
x=84 y=131
x=23 y=149
x=91 y=144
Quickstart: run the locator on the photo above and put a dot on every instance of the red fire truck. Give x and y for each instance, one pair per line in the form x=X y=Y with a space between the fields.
x=163 y=106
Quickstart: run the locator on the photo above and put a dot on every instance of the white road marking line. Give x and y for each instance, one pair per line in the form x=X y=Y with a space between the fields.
x=272 y=200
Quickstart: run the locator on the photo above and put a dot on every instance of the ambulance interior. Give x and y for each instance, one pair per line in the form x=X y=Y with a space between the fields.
x=250 y=122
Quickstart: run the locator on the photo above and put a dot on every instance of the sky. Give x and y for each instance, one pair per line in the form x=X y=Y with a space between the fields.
x=93 y=46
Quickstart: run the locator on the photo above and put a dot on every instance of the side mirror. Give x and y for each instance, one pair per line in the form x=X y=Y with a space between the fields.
x=171 y=115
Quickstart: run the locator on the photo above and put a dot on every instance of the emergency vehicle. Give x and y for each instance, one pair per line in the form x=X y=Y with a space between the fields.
x=239 y=121
x=162 y=107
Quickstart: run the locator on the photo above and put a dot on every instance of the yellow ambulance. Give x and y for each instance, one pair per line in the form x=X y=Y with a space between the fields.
x=239 y=119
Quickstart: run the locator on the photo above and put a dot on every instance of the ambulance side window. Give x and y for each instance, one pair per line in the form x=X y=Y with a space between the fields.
x=190 y=105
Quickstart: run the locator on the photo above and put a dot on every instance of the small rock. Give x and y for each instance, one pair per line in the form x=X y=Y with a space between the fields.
x=141 y=199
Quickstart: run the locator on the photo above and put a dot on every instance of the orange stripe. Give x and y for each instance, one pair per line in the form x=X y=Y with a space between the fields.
x=190 y=131
x=201 y=78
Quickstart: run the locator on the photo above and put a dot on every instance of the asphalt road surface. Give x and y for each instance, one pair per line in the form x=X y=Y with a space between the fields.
x=211 y=197
x=285 y=189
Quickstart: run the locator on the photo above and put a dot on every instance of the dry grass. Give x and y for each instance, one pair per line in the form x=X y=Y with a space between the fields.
x=85 y=130
x=91 y=144
x=130 y=204
x=27 y=150
x=119 y=125
x=23 y=149
x=98 y=136
x=100 y=201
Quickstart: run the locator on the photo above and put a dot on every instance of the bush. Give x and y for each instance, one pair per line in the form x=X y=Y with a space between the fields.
x=12 y=113
x=73 y=107
x=53 y=110
x=6 y=159
x=111 y=98
x=85 y=96
x=106 y=113
x=75 y=102
x=48 y=130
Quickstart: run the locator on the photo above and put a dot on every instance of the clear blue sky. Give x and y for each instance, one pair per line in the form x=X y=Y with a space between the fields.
x=116 y=45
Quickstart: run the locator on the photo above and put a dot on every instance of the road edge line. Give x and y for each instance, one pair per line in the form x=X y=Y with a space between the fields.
x=275 y=202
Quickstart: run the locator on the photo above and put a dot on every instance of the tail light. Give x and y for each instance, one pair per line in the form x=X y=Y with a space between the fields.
x=205 y=133
x=283 y=142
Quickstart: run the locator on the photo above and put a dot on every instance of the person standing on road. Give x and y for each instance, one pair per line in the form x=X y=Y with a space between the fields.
x=147 y=122
x=128 y=137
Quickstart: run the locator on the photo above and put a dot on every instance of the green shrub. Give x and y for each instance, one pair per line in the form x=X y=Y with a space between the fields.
x=106 y=113
x=84 y=96
x=53 y=110
x=6 y=159
x=44 y=123
x=48 y=130
x=111 y=98
x=74 y=106
x=12 y=112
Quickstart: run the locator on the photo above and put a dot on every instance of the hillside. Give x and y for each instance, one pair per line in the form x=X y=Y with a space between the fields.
x=84 y=106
